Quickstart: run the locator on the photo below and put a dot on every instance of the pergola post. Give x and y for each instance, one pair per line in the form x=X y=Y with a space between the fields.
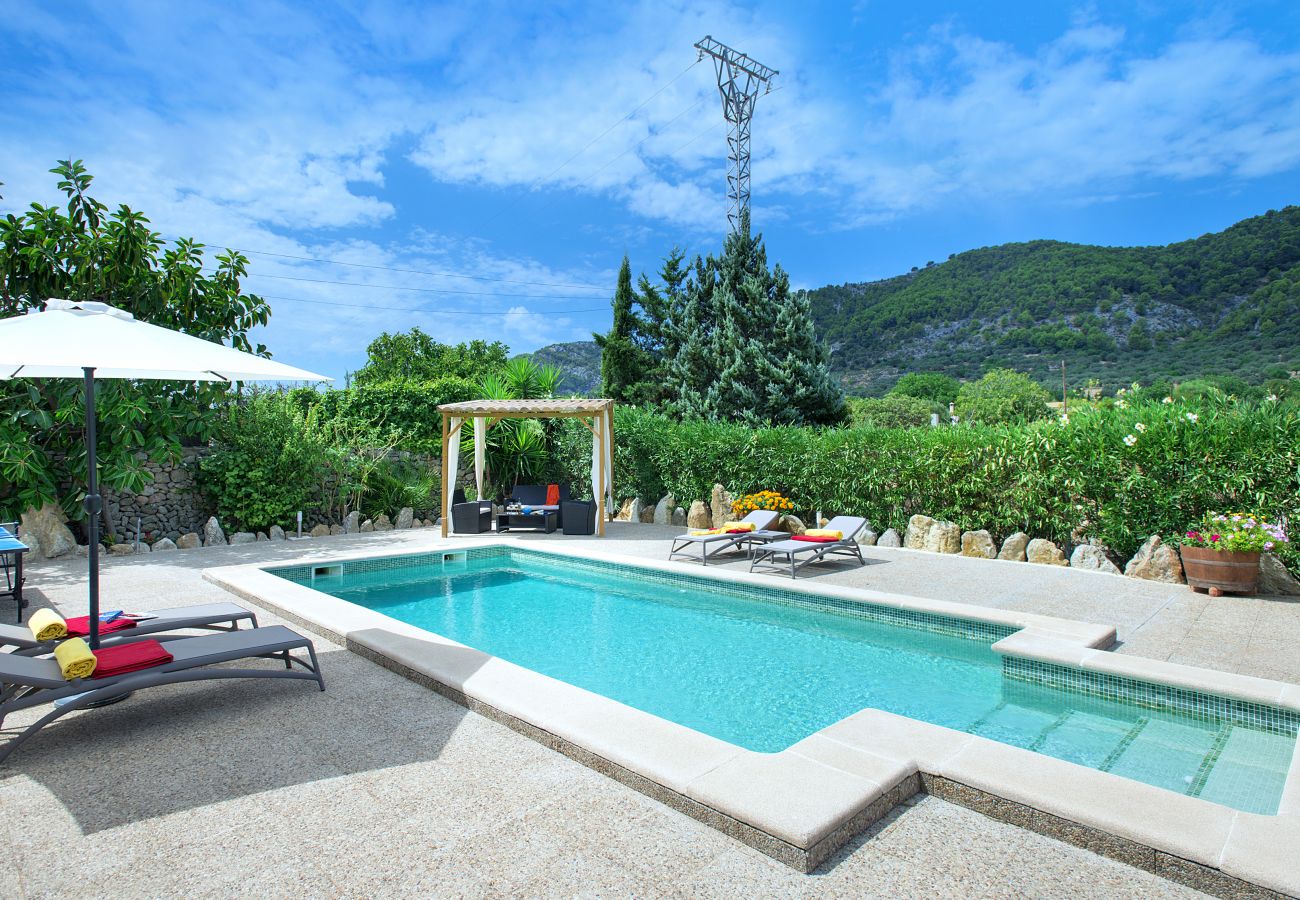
x=446 y=494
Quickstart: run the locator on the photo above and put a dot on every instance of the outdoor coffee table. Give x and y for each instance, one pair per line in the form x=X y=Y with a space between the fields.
x=538 y=520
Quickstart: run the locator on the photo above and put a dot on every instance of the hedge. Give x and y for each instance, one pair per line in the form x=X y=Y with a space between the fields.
x=1062 y=481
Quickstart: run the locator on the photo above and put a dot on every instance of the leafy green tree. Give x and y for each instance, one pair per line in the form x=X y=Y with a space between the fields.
x=939 y=389
x=622 y=362
x=1002 y=396
x=83 y=252
x=414 y=355
x=516 y=449
x=744 y=348
x=892 y=411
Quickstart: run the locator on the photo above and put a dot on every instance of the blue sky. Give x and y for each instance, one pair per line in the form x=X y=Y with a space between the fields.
x=531 y=145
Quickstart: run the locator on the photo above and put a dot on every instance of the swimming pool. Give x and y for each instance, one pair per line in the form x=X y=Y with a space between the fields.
x=763 y=668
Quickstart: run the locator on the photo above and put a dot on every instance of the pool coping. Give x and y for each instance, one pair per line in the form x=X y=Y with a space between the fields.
x=802 y=804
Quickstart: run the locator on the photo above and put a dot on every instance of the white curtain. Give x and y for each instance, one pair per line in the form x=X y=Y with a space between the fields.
x=480 y=454
x=603 y=494
x=609 y=460
x=453 y=461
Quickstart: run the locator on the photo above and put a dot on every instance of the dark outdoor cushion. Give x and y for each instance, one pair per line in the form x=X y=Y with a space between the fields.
x=534 y=495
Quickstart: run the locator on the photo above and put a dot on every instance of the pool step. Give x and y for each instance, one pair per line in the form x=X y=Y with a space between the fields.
x=1207 y=764
x=1125 y=742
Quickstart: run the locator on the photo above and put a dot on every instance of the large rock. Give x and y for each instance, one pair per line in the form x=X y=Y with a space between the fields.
x=1156 y=561
x=404 y=516
x=1045 y=553
x=243 y=537
x=792 y=524
x=1093 y=556
x=261 y=536
x=321 y=530
x=123 y=549
x=1274 y=579
x=367 y=526
x=352 y=522
x=213 y=536
x=44 y=531
x=943 y=537
x=664 y=510
x=429 y=523
x=918 y=527
x=719 y=505
x=383 y=523
x=648 y=515
x=164 y=544
x=277 y=533
x=866 y=537
x=699 y=516
x=890 y=539
x=679 y=517
x=630 y=510
x=1013 y=548
x=978 y=544
x=336 y=529
x=188 y=541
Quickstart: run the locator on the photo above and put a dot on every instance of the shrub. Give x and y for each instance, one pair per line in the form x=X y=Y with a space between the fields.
x=265 y=464
x=1000 y=397
x=383 y=413
x=1059 y=481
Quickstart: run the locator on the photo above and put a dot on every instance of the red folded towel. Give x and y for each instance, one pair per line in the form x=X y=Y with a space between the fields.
x=552 y=495
x=812 y=539
x=79 y=626
x=740 y=531
x=129 y=658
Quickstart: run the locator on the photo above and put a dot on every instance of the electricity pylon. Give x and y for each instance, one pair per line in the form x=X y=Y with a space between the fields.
x=739 y=78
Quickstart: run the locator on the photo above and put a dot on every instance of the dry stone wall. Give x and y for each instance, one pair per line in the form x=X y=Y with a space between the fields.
x=167 y=507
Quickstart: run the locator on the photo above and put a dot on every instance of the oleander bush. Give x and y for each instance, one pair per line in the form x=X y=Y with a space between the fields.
x=1117 y=474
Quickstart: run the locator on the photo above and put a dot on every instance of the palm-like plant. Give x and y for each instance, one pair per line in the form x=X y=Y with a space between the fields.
x=516 y=449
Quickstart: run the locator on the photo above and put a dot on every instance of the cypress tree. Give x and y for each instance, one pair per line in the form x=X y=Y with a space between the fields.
x=620 y=358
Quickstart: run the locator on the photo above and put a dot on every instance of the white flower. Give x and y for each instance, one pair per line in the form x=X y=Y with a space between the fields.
x=1140 y=427
x=1167 y=400
x=1192 y=417
x=1065 y=420
x=1121 y=404
x=1130 y=439
x=1272 y=398
x=1121 y=392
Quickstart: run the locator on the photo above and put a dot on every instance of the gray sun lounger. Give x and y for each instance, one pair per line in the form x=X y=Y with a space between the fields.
x=26 y=682
x=208 y=617
x=711 y=545
x=791 y=556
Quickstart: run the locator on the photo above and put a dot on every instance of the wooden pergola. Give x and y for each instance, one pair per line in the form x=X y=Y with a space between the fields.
x=597 y=415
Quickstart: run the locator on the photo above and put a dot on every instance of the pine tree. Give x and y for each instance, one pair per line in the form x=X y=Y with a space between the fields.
x=621 y=361
x=739 y=347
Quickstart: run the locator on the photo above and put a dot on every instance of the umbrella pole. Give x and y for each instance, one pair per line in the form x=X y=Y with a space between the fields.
x=93 y=505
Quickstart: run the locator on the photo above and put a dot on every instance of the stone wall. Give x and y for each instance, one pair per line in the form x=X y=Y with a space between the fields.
x=168 y=506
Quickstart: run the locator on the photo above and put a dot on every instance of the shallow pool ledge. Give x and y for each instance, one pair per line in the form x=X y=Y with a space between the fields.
x=801 y=804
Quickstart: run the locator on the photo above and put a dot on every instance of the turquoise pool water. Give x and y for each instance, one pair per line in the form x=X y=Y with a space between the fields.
x=764 y=675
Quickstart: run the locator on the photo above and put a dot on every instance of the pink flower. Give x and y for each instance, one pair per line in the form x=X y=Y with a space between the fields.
x=1214 y=538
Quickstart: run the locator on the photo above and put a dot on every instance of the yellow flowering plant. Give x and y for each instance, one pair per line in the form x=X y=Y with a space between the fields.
x=770 y=500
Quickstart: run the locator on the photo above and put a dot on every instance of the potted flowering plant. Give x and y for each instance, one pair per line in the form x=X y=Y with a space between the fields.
x=771 y=500
x=1222 y=552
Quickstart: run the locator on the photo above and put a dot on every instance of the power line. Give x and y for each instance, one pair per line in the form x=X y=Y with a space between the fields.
x=412 y=309
x=422 y=290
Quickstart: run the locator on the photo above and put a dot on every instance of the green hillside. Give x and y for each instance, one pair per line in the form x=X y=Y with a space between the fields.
x=1225 y=303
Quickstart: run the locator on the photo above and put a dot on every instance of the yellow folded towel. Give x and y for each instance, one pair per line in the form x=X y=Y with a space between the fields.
x=701 y=532
x=825 y=532
x=75 y=659
x=47 y=625
x=738 y=526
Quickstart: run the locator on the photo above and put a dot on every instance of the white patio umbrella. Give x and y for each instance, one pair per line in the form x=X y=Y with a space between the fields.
x=90 y=340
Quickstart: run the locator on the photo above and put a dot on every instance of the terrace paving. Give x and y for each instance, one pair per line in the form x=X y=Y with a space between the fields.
x=380 y=787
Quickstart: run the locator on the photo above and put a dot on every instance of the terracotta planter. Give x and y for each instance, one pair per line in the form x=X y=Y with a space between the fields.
x=1236 y=571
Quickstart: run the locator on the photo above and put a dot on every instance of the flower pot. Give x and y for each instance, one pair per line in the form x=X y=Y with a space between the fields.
x=1236 y=571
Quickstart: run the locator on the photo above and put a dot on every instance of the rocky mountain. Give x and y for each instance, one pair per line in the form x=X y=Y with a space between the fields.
x=1224 y=303
x=579 y=361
